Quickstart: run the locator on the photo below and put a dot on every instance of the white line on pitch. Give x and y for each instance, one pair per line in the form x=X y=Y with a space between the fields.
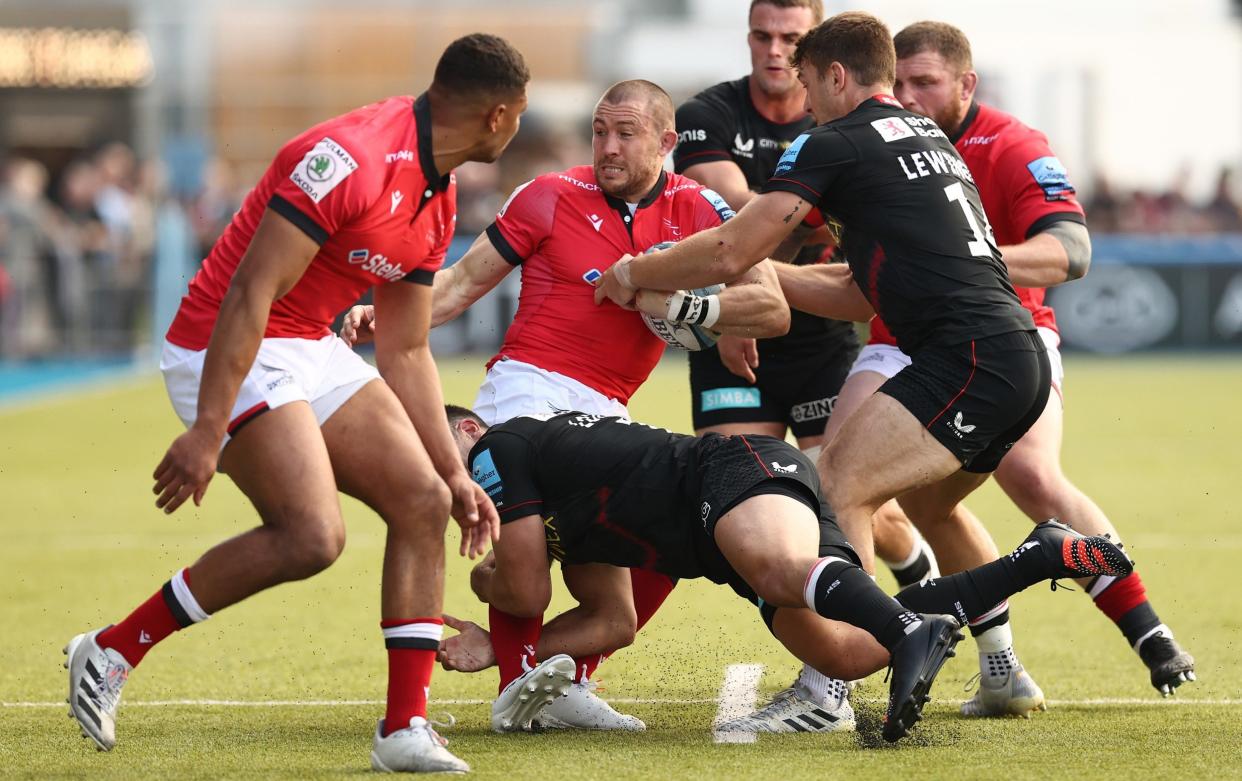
x=1137 y=701
x=737 y=698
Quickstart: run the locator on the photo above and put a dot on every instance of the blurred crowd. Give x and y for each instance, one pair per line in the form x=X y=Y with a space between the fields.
x=77 y=246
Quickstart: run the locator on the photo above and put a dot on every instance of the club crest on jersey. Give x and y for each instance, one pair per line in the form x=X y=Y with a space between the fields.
x=324 y=167
x=892 y=129
x=790 y=156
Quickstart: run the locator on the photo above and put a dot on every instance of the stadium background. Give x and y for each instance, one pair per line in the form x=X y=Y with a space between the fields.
x=129 y=131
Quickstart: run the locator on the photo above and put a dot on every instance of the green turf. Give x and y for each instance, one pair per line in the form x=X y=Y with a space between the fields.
x=1154 y=440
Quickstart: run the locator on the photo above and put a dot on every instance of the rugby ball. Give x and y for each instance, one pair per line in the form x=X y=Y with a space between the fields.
x=683 y=336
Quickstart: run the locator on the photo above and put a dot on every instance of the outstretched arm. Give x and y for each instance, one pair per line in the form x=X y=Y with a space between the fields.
x=752 y=307
x=825 y=290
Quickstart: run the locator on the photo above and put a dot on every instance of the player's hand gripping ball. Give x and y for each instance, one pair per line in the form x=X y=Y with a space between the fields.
x=684 y=333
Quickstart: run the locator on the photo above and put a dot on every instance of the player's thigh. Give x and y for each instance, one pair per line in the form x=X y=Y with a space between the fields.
x=379 y=459
x=874 y=365
x=1031 y=471
x=280 y=462
x=935 y=503
x=771 y=540
x=603 y=590
x=882 y=451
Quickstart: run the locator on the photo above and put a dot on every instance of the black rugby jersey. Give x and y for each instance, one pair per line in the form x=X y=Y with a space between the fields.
x=722 y=123
x=610 y=491
x=914 y=231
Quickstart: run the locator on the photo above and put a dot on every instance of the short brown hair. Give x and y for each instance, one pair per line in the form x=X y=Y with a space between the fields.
x=939 y=37
x=857 y=40
x=659 y=104
x=481 y=65
x=816 y=6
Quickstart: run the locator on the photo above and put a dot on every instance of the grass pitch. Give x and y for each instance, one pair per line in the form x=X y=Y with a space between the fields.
x=1155 y=441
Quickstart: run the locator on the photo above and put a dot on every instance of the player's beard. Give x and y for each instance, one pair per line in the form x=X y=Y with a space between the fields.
x=950 y=118
x=638 y=180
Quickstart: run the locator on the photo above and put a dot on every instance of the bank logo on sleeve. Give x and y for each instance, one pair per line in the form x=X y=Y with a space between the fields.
x=790 y=155
x=483 y=470
x=325 y=166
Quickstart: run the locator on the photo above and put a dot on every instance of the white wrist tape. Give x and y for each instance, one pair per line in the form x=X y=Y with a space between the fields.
x=686 y=307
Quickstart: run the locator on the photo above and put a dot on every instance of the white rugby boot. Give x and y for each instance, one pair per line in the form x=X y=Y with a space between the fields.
x=526 y=695
x=415 y=749
x=96 y=676
x=790 y=712
x=582 y=708
x=1014 y=693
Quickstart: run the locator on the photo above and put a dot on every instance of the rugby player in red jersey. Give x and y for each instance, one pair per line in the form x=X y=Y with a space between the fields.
x=562 y=352
x=273 y=399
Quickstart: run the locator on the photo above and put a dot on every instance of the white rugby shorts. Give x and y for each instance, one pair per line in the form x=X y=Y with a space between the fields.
x=324 y=372
x=887 y=359
x=512 y=388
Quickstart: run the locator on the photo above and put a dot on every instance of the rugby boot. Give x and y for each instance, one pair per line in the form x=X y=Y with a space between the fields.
x=96 y=676
x=1069 y=554
x=1013 y=694
x=527 y=694
x=582 y=708
x=1170 y=666
x=789 y=712
x=415 y=749
x=913 y=667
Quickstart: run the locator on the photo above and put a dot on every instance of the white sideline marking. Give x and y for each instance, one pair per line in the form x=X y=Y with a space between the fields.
x=1138 y=701
x=737 y=698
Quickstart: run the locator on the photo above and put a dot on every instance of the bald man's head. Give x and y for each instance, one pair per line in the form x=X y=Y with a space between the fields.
x=632 y=133
x=658 y=104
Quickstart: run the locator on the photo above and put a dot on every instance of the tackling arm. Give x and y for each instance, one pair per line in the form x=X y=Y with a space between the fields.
x=826 y=290
x=1059 y=253
x=751 y=307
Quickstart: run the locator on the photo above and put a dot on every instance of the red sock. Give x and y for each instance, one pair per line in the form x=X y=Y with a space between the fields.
x=650 y=591
x=514 y=640
x=151 y=622
x=412 y=644
x=1121 y=596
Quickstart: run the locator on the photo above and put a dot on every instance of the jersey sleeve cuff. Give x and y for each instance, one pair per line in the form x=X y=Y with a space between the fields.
x=1043 y=223
x=503 y=246
x=521 y=510
x=421 y=276
x=683 y=161
x=299 y=218
x=780 y=184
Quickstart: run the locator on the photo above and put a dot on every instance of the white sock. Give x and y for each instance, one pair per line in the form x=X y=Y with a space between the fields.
x=814 y=685
x=996 y=655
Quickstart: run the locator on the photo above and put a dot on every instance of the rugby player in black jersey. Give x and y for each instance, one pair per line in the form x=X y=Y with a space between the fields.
x=742 y=511
x=920 y=249
x=730 y=138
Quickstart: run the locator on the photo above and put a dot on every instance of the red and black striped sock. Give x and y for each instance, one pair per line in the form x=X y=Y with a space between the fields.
x=1124 y=601
x=412 y=644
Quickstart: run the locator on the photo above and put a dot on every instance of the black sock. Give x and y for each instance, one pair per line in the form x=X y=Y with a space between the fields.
x=1000 y=619
x=908 y=576
x=841 y=591
x=1138 y=622
x=974 y=592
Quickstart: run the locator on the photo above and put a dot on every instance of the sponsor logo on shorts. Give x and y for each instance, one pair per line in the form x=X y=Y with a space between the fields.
x=785 y=470
x=704 y=511
x=729 y=398
x=325 y=166
x=813 y=410
x=483 y=470
x=552 y=536
x=959 y=428
x=284 y=379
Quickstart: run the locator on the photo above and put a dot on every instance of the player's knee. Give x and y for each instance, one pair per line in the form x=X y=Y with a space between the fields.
x=780 y=584
x=313 y=548
x=1034 y=485
x=420 y=505
x=526 y=602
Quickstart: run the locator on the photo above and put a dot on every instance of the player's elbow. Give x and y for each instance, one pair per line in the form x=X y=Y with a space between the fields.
x=1078 y=265
x=1076 y=242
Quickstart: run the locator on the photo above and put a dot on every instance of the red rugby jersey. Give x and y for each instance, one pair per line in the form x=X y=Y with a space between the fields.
x=560 y=226
x=1024 y=189
x=364 y=186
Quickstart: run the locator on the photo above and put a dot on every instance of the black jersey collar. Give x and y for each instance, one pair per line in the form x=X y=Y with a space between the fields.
x=967 y=121
x=647 y=200
x=426 y=160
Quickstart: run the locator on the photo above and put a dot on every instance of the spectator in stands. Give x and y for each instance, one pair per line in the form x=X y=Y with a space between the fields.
x=1223 y=211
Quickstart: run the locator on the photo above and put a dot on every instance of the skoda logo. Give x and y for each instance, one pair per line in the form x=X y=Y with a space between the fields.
x=320 y=167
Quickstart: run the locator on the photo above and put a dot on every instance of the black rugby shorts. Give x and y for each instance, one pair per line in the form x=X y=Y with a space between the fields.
x=977 y=398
